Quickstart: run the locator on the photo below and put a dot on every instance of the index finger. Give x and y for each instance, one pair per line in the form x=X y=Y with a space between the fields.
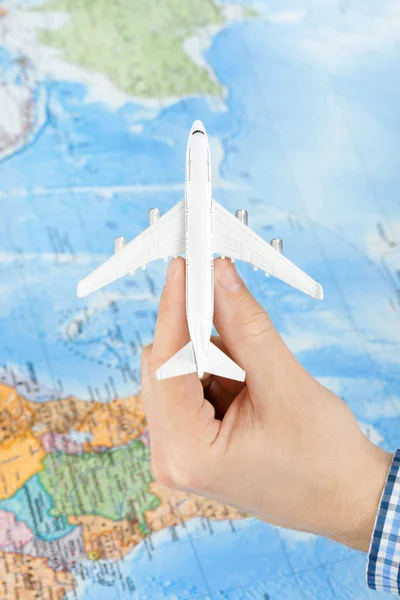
x=174 y=406
x=171 y=332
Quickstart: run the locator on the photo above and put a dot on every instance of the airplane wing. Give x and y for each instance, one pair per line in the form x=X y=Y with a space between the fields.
x=165 y=238
x=236 y=240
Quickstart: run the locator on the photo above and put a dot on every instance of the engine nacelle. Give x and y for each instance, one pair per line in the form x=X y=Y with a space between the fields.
x=277 y=245
x=119 y=243
x=154 y=215
x=242 y=215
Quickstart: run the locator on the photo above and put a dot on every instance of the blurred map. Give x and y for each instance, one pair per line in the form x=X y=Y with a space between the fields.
x=301 y=103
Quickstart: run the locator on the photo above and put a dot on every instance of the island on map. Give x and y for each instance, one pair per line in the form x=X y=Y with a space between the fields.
x=20 y=105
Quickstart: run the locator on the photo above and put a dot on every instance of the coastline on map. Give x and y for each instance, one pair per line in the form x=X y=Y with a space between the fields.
x=22 y=103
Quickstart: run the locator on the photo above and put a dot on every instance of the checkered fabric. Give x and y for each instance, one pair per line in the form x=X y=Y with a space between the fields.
x=383 y=568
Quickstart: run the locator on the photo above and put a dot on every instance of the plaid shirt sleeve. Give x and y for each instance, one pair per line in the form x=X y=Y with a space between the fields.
x=383 y=567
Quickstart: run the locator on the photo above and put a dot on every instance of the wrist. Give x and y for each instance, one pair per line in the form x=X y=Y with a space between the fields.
x=359 y=498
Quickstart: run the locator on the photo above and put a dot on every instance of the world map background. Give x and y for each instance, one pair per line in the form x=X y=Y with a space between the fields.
x=300 y=101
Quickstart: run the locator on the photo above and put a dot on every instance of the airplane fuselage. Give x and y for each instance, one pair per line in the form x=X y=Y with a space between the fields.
x=199 y=244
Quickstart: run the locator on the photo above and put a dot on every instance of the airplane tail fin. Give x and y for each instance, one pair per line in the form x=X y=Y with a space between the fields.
x=217 y=363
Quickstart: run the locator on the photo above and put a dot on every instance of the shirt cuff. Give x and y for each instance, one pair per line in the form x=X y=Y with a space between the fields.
x=383 y=566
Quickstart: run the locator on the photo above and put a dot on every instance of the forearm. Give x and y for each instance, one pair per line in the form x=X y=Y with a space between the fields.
x=354 y=512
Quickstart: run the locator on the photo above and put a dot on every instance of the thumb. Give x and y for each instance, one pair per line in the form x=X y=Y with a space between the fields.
x=246 y=328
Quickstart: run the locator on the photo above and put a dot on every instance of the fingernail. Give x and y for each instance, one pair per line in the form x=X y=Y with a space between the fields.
x=229 y=278
x=172 y=269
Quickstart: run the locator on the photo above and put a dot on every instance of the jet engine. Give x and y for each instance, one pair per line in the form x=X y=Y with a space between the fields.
x=154 y=215
x=119 y=243
x=242 y=215
x=277 y=245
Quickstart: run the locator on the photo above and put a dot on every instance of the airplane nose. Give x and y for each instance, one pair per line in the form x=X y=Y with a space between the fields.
x=197 y=127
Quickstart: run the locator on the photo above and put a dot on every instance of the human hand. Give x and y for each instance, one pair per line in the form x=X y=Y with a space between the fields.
x=280 y=446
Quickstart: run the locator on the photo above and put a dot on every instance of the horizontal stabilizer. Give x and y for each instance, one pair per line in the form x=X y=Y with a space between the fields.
x=219 y=363
x=182 y=363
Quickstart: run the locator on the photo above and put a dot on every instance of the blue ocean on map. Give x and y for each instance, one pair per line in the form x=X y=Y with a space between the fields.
x=101 y=185
x=327 y=183
x=222 y=561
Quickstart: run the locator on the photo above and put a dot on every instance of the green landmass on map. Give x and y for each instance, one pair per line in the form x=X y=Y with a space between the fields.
x=113 y=484
x=137 y=44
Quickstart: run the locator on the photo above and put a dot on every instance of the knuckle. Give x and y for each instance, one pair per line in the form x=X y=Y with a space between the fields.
x=146 y=356
x=160 y=474
x=254 y=323
x=167 y=303
x=147 y=364
x=193 y=474
x=180 y=476
x=153 y=362
x=174 y=473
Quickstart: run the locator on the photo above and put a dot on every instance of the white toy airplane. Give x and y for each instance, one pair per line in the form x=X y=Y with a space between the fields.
x=199 y=227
